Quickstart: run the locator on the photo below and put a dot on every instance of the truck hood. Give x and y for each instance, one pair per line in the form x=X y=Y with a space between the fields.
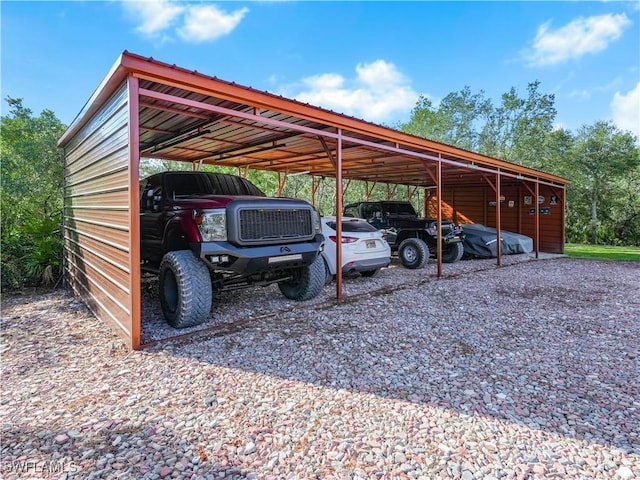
x=221 y=201
x=417 y=223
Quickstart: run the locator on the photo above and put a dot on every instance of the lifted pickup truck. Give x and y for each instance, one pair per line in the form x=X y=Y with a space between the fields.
x=411 y=237
x=210 y=232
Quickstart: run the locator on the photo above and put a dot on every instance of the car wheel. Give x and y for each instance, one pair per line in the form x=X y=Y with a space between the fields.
x=307 y=282
x=185 y=289
x=413 y=253
x=369 y=273
x=452 y=252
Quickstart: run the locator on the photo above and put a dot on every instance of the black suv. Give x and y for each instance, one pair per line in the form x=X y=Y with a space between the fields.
x=209 y=232
x=411 y=237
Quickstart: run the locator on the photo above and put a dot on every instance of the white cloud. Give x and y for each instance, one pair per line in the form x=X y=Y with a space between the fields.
x=587 y=93
x=575 y=39
x=377 y=93
x=153 y=16
x=208 y=22
x=625 y=110
x=199 y=23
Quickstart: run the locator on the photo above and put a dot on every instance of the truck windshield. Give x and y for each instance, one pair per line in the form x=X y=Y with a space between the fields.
x=180 y=184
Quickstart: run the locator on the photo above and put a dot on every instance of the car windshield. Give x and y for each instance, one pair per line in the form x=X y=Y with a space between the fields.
x=349 y=225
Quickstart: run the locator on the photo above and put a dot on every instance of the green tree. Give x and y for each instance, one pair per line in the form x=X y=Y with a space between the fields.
x=601 y=158
x=515 y=130
x=456 y=120
x=31 y=179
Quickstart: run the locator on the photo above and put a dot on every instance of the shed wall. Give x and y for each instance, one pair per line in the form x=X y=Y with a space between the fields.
x=475 y=205
x=96 y=214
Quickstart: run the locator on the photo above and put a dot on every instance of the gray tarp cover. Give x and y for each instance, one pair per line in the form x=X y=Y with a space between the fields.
x=480 y=241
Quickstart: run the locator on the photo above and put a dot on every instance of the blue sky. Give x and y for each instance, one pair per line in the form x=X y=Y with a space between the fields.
x=367 y=59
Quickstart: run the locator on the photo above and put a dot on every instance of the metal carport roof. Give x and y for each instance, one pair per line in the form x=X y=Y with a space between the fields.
x=183 y=115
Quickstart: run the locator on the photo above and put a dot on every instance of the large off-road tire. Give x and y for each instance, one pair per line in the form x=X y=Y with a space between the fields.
x=369 y=273
x=306 y=283
x=328 y=276
x=452 y=252
x=185 y=289
x=413 y=253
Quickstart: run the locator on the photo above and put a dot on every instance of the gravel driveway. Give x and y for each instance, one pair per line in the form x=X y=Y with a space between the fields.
x=531 y=370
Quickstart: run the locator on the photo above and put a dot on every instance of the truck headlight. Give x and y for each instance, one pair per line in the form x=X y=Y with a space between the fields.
x=212 y=224
x=316 y=221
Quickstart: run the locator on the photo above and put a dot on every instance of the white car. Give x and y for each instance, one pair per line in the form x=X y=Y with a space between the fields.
x=364 y=248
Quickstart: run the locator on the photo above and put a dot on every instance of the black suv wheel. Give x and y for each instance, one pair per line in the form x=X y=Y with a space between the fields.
x=413 y=253
x=453 y=252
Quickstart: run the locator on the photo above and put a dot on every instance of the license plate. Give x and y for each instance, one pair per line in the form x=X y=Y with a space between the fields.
x=371 y=244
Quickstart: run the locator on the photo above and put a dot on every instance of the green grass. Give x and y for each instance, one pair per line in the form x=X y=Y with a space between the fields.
x=602 y=252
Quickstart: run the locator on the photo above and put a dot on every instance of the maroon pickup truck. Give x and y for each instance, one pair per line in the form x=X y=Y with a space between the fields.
x=211 y=232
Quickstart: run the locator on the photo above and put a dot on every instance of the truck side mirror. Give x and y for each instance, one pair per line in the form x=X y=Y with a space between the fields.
x=156 y=200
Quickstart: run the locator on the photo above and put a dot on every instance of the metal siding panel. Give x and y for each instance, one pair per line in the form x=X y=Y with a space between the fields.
x=117 y=199
x=96 y=248
x=96 y=214
x=117 y=180
x=469 y=204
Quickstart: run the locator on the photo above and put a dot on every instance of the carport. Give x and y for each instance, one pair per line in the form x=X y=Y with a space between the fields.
x=148 y=109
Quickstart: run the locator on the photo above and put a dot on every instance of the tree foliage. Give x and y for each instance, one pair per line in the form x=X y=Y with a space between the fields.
x=31 y=196
x=603 y=203
x=603 y=163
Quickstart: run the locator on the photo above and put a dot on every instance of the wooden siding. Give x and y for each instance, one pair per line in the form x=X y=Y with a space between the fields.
x=96 y=214
x=472 y=205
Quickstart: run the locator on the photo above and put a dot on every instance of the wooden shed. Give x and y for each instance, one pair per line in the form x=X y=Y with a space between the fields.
x=148 y=109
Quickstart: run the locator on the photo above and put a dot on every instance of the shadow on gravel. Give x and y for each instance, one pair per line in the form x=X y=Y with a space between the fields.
x=97 y=452
x=549 y=351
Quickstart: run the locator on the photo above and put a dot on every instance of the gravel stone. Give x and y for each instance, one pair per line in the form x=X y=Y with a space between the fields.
x=530 y=371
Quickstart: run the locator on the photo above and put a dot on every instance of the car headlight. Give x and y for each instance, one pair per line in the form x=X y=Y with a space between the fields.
x=212 y=224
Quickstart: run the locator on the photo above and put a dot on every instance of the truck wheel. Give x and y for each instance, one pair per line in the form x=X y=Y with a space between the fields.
x=452 y=252
x=369 y=273
x=185 y=289
x=306 y=283
x=328 y=276
x=413 y=253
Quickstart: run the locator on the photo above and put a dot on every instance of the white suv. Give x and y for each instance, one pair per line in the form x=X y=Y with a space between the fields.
x=364 y=248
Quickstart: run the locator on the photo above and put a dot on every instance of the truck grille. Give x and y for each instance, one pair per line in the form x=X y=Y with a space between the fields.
x=276 y=224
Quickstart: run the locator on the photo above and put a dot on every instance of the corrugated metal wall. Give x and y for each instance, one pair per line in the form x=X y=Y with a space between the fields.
x=96 y=214
x=473 y=205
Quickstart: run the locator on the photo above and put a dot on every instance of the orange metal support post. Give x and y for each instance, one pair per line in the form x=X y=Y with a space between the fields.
x=339 y=218
x=439 y=225
x=498 y=207
x=537 y=217
x=134 y=212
